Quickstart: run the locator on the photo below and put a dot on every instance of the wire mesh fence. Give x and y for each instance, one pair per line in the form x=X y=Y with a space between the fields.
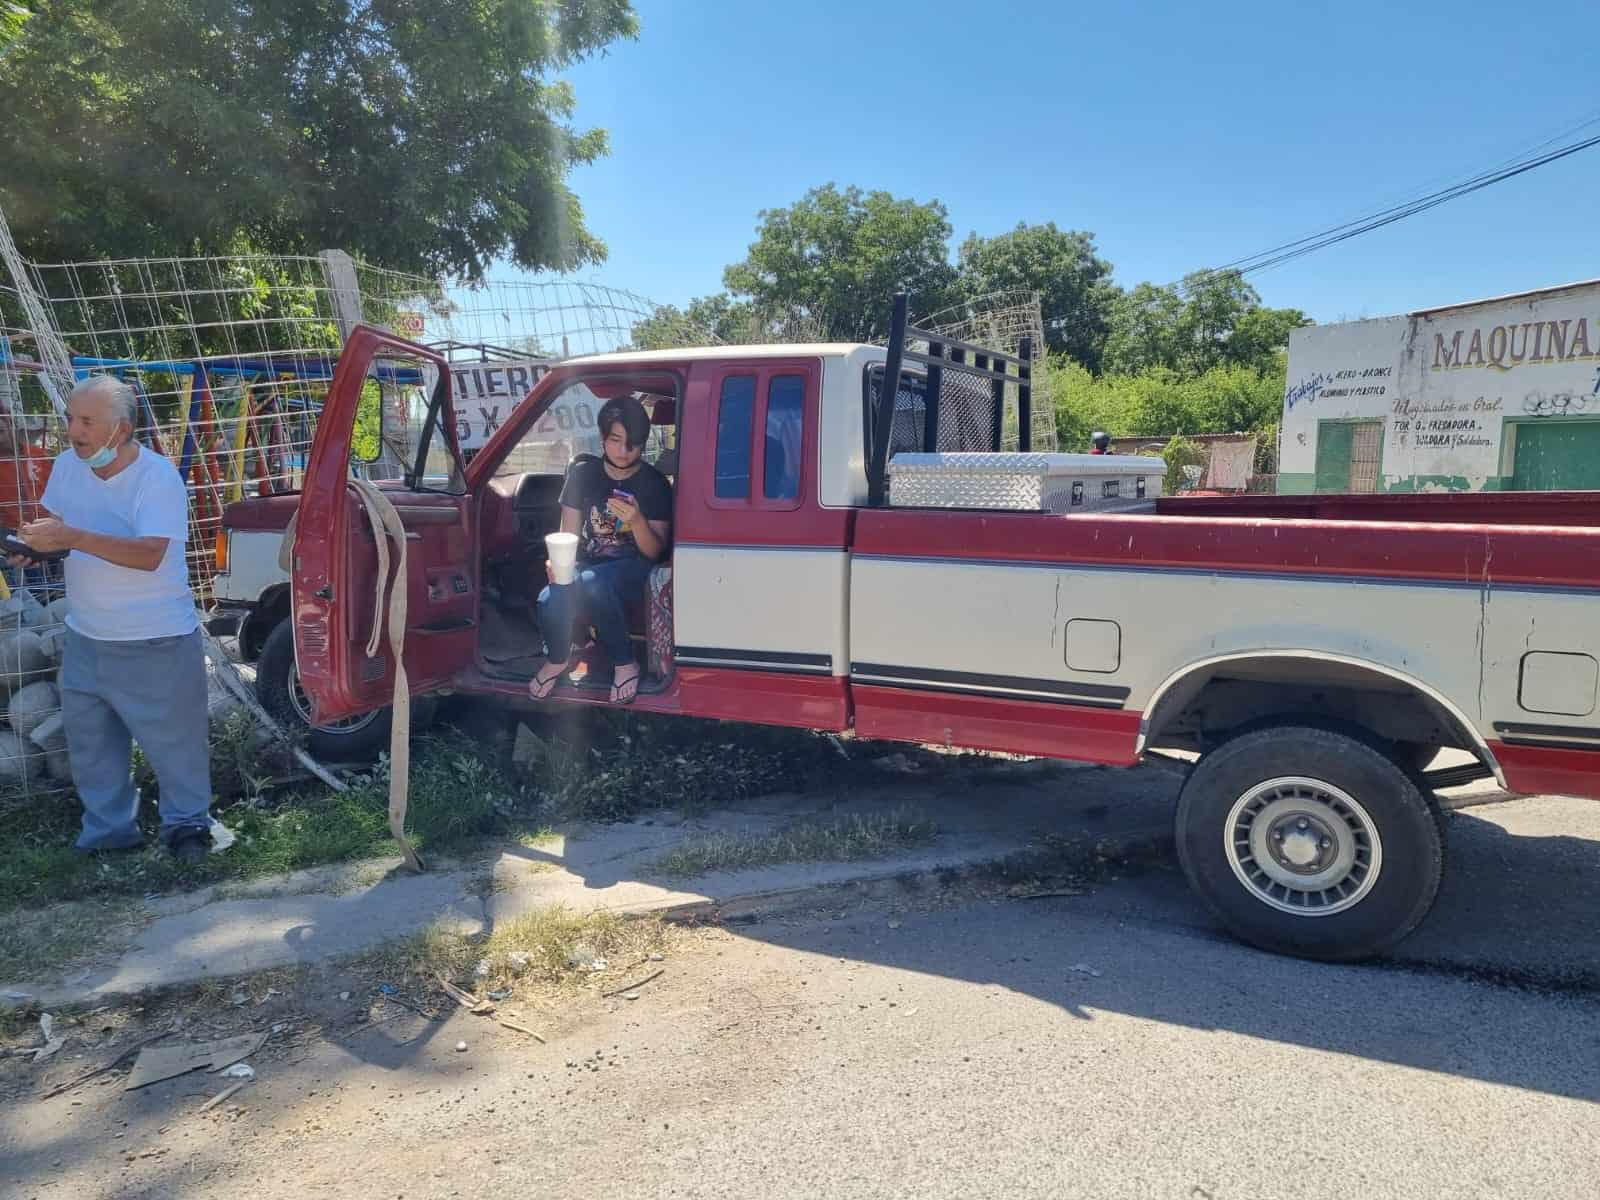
x=229 y=359
x=1001 y=321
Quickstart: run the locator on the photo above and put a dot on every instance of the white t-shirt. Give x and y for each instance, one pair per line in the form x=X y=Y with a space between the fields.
x=144 y=499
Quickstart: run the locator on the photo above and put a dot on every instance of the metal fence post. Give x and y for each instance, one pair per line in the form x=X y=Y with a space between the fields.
x=343 y=288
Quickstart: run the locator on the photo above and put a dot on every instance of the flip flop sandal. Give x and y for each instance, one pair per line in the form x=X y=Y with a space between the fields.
x=541 y=685
x=630 y=686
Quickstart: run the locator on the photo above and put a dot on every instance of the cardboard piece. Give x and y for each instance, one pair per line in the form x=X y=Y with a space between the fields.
x=156 y=1063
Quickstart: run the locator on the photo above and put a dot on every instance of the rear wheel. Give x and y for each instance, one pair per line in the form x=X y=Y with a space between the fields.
x=1310 y=842
x=354 y=739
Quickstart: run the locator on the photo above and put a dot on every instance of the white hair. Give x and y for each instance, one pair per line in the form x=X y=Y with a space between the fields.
x=119 y=393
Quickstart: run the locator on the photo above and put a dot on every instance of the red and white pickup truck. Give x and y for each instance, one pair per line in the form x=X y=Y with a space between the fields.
x=1315 y=651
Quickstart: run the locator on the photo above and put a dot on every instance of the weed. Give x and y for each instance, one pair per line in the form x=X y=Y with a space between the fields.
x=549 y=946
x=452 y=803
x=610 y=767
x=33 y=944
x=846 y=840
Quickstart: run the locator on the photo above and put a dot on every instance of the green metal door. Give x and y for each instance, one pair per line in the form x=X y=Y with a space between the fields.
x=1348 y=455
x=1556 y=456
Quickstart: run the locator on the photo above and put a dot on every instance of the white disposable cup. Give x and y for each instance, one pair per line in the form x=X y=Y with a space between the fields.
x=563 y=551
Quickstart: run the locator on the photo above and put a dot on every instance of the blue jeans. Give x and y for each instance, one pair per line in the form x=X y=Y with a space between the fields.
x=152 y=691
x=601 y=592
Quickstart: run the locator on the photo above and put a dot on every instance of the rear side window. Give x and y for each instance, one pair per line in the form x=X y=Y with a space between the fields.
x=735 y=425
x=785 y=416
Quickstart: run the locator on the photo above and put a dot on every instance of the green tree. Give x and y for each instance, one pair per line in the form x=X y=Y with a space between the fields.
x=1073 y=282
x=12 y=18
x=1214 y=318
x=715 y=320
x=836 y=257
x=1143 y=330
x=1229 y=398
x=426 y=135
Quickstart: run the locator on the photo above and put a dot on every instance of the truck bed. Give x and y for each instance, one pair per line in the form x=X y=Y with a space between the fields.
x=1428 y=508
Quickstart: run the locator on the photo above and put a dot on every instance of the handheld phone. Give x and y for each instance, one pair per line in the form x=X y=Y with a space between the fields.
x=12 y=545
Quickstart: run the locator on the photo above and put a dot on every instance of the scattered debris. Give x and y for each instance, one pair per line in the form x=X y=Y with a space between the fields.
x=520 y=1029
x=598 y=965
x=52 y=1043
x=167 y=1062
x=502 y=994
x=630 y=995
x=222 y=1095
x=221 y=836
x=461 y=1047
x=582 y=955
x=12 y=996
x=519 y=961
x=899 y=763
x=242 y=1071
x=1085 y=969
x=344 y=995
x=466 y=999
x=481 y=971
x=109 y=1065
x=631 y=986
x=656 y=957
x=894 y=924
x=1024 y=892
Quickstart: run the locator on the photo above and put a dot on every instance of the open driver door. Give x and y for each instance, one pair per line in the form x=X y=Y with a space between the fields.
x=336 y=594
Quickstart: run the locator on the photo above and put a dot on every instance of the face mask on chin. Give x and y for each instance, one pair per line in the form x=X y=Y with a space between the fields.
x=102 y=457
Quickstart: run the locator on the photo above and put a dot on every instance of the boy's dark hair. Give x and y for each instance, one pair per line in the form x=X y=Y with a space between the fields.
x=630 y=414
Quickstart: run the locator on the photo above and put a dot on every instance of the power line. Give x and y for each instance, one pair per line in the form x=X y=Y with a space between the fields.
x=1286 y=252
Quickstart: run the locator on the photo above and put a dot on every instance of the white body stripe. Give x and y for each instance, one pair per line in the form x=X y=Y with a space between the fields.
x=783 y=601
x=1010 y=620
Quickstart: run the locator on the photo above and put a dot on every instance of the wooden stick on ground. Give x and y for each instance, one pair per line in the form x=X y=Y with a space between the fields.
x=631 y=986
x=520 y=1029
x=221 y=1096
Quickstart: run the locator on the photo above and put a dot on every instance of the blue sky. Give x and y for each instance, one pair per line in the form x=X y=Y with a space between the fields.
x=1181 y=135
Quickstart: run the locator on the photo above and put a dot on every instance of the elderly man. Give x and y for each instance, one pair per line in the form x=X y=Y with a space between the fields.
x=133 y=667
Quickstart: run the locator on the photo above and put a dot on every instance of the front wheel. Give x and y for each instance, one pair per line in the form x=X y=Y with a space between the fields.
x=354 y=739
x=1310 y=842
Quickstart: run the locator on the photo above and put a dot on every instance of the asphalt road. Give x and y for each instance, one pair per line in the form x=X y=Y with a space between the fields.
x=1105 y=1045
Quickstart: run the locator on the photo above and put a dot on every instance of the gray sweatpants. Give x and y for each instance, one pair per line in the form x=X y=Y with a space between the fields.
x=152 y=691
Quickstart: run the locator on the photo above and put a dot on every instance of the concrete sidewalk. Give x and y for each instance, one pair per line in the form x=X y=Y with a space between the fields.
x=981 y=817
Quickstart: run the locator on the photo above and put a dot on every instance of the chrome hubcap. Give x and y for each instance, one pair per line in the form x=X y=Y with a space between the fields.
x=1303 y=846
x=301 y=704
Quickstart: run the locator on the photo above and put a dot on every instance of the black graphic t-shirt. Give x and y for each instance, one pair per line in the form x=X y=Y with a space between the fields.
x=588 y=487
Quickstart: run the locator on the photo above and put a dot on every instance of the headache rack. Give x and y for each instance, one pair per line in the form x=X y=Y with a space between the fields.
x=960 y=392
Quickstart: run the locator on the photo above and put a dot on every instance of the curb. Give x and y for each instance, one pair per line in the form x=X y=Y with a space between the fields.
x=747 y=908
x=1082 y=855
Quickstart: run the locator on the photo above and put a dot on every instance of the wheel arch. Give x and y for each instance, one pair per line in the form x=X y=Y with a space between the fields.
x=269 y=609
x=1266 y=669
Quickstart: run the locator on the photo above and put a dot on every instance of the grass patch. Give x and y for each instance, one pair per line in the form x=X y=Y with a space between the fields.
x=37 y=943
x=551 y=946
x=606 y=766
x=848 y=839
x=453 y=795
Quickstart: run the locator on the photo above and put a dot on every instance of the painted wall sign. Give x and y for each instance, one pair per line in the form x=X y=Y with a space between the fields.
x=1445 y=384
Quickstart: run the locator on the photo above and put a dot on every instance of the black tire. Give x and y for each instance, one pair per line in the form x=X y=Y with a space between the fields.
x=358 y=739
x=1374 y=867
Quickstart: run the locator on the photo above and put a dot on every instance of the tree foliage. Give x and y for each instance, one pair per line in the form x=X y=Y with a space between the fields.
x=12 y=17
x=426 y=135
x=1063 y=267
x=836 y=256
x=1227 y=398
x=1214 y=318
